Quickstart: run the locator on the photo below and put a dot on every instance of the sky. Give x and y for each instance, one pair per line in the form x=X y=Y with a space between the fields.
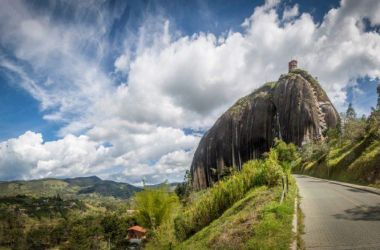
x=125 y=89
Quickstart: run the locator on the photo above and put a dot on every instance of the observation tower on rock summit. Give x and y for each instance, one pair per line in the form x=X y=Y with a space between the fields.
x=292 y=65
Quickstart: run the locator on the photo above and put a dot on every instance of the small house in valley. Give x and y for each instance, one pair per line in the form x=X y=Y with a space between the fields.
x=136 y=232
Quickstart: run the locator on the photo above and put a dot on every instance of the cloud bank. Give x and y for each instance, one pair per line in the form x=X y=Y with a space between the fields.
x=125 y=111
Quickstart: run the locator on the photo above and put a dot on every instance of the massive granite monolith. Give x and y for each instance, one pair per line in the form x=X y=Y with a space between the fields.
x=295 y=109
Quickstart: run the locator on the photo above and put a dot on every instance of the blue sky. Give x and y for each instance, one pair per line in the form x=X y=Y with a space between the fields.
x=124 y=89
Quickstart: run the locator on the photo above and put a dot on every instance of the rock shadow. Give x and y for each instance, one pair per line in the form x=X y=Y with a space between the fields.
x=365 y=213
x=355 y=190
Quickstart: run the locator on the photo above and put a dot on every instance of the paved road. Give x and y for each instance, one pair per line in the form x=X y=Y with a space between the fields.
x=338 y=217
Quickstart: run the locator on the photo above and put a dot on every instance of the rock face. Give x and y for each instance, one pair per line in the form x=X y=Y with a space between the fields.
x=295 y=109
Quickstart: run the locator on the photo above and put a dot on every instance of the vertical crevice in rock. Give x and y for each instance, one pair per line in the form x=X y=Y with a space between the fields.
x=293 y=109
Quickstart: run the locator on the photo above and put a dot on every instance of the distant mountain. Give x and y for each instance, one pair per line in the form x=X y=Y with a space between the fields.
x=83 y=181
x=71 y=187
x=111 y=188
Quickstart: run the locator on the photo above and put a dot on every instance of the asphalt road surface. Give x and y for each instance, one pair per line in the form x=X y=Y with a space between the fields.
x=338 y=217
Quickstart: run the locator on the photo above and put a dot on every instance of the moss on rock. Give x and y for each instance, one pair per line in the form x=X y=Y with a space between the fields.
x=286 y=109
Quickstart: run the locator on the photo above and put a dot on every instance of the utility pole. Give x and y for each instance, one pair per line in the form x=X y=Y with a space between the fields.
x=378 y=96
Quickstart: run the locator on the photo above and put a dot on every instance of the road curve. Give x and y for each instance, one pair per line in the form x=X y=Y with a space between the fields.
x=337 y=216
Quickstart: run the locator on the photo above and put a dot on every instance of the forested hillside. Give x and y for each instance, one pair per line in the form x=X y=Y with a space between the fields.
x=75 y=213
x=52 y=222
x=351 y=153
x=68 y=188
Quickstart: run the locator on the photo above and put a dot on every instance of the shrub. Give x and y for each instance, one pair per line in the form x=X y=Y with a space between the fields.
x=39 y=237
x=373 y=124
x=214 y=201
x=84 y=232
x=334 y=135
x=115 y=227
x=313 y=151
x=184 y=188
x=287 y=154
x=354 y=130
x=272 y=169
x=154 y=206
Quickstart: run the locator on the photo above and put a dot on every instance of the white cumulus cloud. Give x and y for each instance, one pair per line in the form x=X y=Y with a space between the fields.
x=128 y=123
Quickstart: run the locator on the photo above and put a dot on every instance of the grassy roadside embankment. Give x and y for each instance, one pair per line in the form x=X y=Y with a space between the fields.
x=356 y=163
x=242 y=211
x=257 y=221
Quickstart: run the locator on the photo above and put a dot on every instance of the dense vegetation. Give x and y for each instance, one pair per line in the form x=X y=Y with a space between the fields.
x=68 y=188
x=350 y=153
x=249 y=200
x=155 y=206
x=211 y=204
x=258 y=221
x=51 y=222
x=41 y=207
x=77 y=213
x=257 y=187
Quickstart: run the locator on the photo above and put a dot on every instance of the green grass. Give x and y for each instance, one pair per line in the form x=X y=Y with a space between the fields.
x=356 y=163
x=272 y=85
x=238 y=212
x=274 y=230
x=258 y=221
x=217 y=199
x=365 y=166
x=265 y=92
x=337 y=153
x=240 y=105
x=233 y=228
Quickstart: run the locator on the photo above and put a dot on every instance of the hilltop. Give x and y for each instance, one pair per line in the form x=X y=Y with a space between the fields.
x=70 y=188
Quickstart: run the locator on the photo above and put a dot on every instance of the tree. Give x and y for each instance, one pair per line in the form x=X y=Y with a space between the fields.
x=14 y=227
x=287 y=153
x=59 y=233
x=350 y=113
x=154 y=205
x=115 y=227
x=354 y=129
x=183 y=189
x=373 y=123
x=39 y=237
x=84 y=233
x=314 y=151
